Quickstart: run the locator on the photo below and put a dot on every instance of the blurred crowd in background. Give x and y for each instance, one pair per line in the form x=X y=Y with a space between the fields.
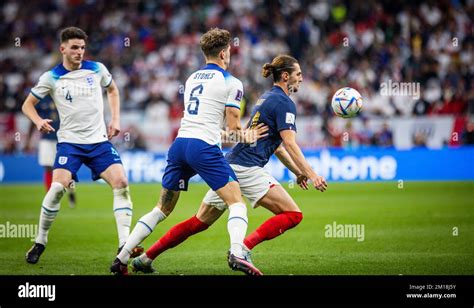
x=151 y=47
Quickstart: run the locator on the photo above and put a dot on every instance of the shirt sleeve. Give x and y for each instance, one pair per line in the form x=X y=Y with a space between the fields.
x=105 y=76
x=285 y=115
x=43 y=87
x=236 y=92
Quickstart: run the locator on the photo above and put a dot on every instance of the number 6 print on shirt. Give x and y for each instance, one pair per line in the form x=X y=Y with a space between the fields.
x=194 y=99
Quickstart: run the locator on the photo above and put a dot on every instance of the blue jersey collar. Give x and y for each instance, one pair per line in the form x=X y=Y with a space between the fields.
x=213 y=66
x=60 y=70
x=278 y=89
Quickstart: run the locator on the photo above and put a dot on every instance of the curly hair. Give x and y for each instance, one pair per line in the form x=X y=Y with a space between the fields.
x=72 y=33
x=214 y=41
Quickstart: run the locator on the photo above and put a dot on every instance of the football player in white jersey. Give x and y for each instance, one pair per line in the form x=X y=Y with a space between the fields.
x=211 y=94
x=75 y=86
x=276 y=109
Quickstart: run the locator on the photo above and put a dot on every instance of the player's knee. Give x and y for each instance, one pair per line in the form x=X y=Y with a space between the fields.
x=120 y=182
x=294 y=217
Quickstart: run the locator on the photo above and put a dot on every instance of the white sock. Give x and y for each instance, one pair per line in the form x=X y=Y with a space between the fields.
x=143 y=228
x=123 y=213
x=237 y=227
x=49 y=210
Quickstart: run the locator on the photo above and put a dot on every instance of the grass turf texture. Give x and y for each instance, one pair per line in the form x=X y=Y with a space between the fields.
x=408 y=231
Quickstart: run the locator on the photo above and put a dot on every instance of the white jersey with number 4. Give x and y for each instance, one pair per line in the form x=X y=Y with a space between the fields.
x=78 y=98
x=207 y=93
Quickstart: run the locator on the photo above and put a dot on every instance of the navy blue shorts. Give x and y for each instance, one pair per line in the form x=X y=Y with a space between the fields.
x=188 y=157
x=97 y=156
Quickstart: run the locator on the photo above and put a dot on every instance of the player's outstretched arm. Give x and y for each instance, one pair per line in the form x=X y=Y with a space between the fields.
x=235 y=131
x=286 y=160
x=289 y=141
x=29 y=110
x=113 y=97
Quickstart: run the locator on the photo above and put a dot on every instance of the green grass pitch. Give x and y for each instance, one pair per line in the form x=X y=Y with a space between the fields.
x=424 y=228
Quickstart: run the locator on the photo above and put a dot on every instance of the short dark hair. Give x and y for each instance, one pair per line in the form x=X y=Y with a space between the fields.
x=214 y=41
x=72 y=33
x=280 y=64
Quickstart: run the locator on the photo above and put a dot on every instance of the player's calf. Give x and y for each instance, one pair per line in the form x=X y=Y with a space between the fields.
x=273 y=227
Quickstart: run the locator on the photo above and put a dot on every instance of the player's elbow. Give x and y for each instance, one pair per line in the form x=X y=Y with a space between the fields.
x=24 y=107
x=279 y=151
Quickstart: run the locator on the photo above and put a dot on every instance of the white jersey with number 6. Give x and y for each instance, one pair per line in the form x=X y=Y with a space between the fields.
x=78 y=98
x=208 y=92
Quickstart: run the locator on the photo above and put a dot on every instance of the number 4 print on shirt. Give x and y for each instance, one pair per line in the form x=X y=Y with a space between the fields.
x=68 y=96
x=192 y=98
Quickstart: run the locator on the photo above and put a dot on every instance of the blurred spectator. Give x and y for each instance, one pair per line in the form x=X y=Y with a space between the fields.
x=419 y=140
x=467 y=136
x=366 y=135
x=135 y=139
x=384 y=137
x=350 y=139
x=7 y=133
x=421 y=107
x=151 y=48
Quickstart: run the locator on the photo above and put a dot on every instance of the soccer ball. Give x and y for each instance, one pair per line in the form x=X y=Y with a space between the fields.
x=346 y=102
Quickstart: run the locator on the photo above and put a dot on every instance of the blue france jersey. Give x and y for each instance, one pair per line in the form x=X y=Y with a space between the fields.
x=275 y=109
x=47 y=110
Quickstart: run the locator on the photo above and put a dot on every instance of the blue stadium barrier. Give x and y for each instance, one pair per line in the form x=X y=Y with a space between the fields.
x=368 y=164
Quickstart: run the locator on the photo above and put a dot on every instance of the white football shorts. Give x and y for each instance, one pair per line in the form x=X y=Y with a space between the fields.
x=46 y=152
x=254 y=184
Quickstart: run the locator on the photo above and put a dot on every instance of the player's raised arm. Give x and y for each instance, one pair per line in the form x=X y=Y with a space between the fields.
x=113 y=97
x=29 y=110
x=289 y=140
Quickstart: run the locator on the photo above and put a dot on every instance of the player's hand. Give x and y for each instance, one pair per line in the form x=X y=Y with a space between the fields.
x=251 y=135
x=319 y=183
x=113 y=129
x=302 y=181
x=44 y=126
